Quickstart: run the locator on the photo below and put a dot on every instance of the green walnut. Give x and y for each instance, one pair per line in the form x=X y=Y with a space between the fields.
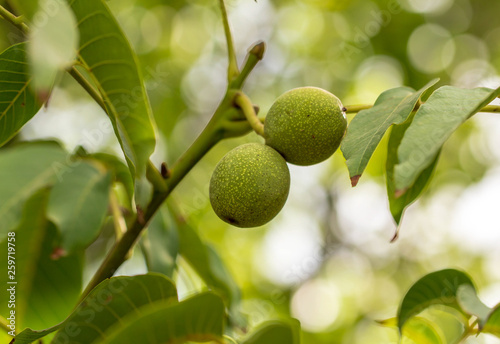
x=250 y=185
x=305 y=125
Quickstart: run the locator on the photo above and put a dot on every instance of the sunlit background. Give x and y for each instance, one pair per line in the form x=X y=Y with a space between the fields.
x=326 y=259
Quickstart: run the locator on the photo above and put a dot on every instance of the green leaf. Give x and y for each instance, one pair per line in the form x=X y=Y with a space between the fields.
x=472 y=305
x=445 y=110
x=398 y=205
x=78 y=205
x=420 y=330
x=438 y=287
x=107 y=306
x=161 y=245
x=207 y=263
x=493 y=323
x=423 y=331
x=275 y=332
x=197 y=319
x=18 y=103
x=107 y=56
x=24 y=170
x=119 y=170
x=52 y=45
x=369 y=126
x=47 y=288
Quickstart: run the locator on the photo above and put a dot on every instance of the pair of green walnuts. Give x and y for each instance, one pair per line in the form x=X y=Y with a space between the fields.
x=250 y=185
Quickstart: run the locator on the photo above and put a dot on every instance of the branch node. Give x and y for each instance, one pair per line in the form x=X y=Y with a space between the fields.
x=165 y=172
x=140 y=216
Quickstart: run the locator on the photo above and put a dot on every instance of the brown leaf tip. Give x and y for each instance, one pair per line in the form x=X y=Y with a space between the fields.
x=355 y=180
x=396 y=233
x=395 y=237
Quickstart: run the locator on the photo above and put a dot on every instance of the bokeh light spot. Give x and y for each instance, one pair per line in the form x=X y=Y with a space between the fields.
x=316 y=304
x=430 y=48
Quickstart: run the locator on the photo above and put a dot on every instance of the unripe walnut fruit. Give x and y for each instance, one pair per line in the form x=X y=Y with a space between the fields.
x=250 y=185
x=306 y=125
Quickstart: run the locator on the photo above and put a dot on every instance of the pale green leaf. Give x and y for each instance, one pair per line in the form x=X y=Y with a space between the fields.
x=445 y=110
x=18 y=103
x=438 y=287
x=197 y=319
x=107 y=56
x=53 y=42
x=107 y=306
x=78 y=205
x=369 y=126
x=472 y=305
x=24 y=170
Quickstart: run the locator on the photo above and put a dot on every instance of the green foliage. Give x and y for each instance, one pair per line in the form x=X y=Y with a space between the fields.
x=199 y=319
x=119 y=171
x=472 y=305
x=37 y=166
x=109 y=304
x=207 y=263
x=444 y=111
x=418 y=330
x=161 y=245
x=18 y=103
x=78 y=205
x=368 y=127
x=493 y=323
x=451 y=288
x=65 y=209
x=275 y=332
x=107 y=57
x=439 y=287
x=398 y=205
x=50 y=284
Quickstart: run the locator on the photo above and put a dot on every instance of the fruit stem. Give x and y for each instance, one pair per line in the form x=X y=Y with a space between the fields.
x=357 y=108
x=232 y=69
x=245 y=104
x=491 y=109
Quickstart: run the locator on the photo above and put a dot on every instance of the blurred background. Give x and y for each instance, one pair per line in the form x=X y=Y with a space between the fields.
x=326 y=259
